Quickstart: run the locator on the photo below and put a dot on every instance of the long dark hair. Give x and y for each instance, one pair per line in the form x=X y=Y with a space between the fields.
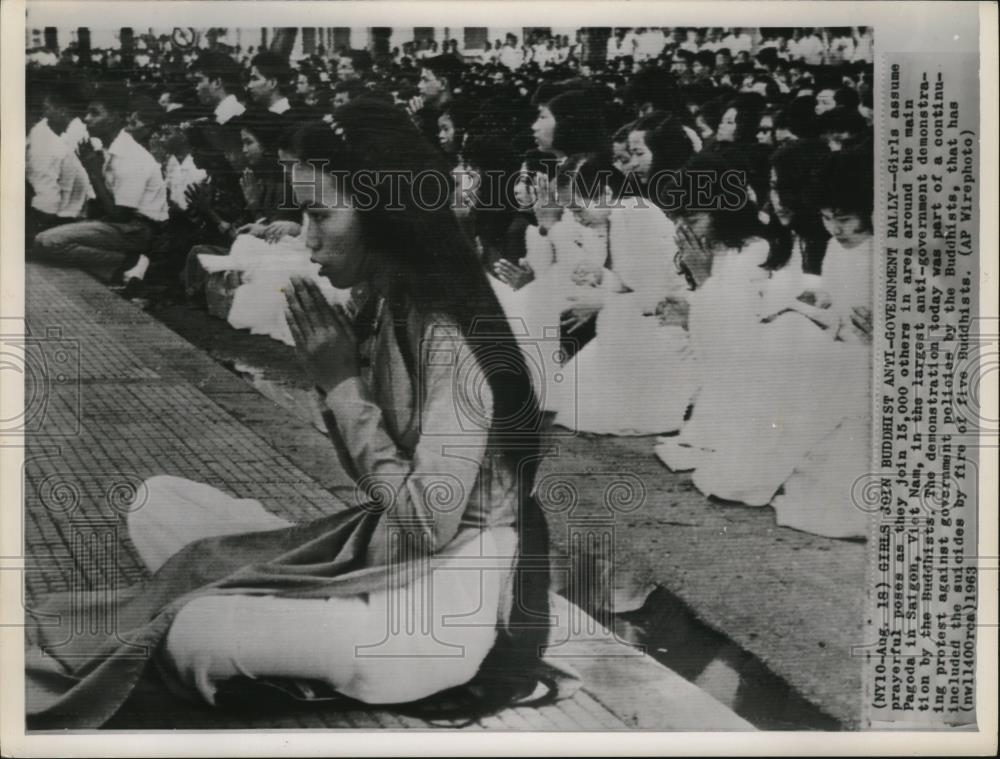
x=580 y=126
x=433 y=269
x=734 y=227
x=666 y=139
x=748 y=107
x=794 y=165
x=266 y=128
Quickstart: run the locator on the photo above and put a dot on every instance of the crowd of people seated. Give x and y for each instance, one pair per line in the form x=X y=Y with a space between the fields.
x=738 y=333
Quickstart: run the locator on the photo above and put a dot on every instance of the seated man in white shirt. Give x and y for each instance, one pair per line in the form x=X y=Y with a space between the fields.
x=616 y=45
x=511 y=54
x=56 y=176
x=738 y=41
x=170 y=147
x=651 y=44
x=269 y=78
x=130 y=190
x=810 y=48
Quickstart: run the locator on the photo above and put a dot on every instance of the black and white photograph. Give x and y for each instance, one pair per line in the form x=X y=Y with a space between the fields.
x=495 y=378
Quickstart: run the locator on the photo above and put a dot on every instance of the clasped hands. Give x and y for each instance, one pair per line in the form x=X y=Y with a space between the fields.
x=515 y=275
x=693 y=257
x=324 y=335
x=92 y=160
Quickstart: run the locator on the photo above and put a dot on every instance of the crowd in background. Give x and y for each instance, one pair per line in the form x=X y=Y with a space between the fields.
x=739 y=333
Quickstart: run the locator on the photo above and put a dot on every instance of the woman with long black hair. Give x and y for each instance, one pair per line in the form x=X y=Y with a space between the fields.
x=431 y=410
x=569 y=123
x=796 y=229
x=657 y=146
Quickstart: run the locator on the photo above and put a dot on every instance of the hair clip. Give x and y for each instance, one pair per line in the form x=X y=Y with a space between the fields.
x=338 y=130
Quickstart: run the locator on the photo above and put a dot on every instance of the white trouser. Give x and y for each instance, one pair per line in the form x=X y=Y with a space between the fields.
x=383 y=647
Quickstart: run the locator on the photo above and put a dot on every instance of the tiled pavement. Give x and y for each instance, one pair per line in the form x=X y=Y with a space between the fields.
x=110 y=402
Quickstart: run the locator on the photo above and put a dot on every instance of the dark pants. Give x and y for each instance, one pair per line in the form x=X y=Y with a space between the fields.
x=169 y=254
x=95 y=244
x=36 y=221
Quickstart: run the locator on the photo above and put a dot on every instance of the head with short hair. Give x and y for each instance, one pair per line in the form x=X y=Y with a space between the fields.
x=216 y=77
x=144 y=116
x=438 y=76
x=171 y=139
x=107 y=111
x=269 y=78
x=354 y=64
x=841 y=127
x=307 y=81
x=847 y=97
x=61 y=103
x=844 y=192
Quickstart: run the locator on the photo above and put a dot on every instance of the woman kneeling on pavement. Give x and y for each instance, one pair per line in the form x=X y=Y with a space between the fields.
x=445 y=529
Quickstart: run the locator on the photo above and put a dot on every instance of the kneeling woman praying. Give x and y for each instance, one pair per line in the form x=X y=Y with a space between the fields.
x=436 y=579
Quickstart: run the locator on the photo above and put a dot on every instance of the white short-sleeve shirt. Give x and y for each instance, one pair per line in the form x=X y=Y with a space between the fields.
x=55 y=173
x=180 y=175
x=228 y=108
x=134 y=178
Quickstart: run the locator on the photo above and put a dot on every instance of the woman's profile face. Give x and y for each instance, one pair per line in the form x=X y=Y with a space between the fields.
x=544 y=128
x=334 y=234
x=446 y=133
x=641 y=156
x=727 y=127
x=253 y=151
